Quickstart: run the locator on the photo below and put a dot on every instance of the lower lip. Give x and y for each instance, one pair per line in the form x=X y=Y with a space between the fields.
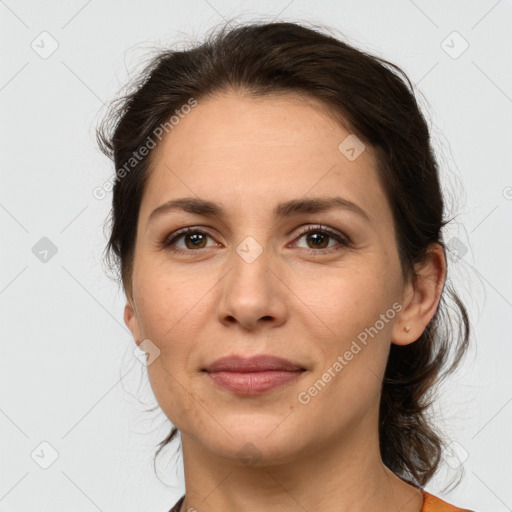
x=253 y=383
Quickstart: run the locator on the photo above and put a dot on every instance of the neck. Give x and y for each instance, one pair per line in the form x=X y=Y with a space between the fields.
x=347 y=476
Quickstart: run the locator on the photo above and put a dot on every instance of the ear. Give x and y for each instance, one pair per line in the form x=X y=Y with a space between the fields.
x=421 y=297
x=132 y=322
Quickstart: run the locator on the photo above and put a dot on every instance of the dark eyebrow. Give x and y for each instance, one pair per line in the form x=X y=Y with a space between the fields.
x=293 y=207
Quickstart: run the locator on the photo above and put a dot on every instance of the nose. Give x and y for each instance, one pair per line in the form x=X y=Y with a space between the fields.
x=253 y=293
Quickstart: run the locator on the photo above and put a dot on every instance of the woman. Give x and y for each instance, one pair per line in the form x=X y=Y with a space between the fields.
x=277 y=224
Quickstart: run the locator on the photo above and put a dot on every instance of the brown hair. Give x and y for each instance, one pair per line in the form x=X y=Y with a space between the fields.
x=376 y=100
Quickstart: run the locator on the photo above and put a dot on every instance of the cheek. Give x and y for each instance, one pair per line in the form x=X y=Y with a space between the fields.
x=174 y=310
x=177 y=399
x=166 y=309
x=349 y=317
x=343 y=302
x=165 y=301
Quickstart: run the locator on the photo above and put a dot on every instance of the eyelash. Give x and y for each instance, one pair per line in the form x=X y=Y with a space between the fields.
x=344 y=241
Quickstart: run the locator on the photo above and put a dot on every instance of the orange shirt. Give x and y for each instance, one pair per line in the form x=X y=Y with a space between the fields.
x=431 y=503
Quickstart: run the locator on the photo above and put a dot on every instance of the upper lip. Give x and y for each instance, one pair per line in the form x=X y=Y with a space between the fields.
x=260 y=363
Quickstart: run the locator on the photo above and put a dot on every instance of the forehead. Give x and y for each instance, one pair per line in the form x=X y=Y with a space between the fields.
x=255 y=152
x=231 y=125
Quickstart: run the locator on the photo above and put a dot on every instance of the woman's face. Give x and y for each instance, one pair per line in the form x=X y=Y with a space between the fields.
x=253 y=282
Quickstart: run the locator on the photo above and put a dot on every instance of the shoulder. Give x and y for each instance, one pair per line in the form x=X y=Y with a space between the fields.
x=432 y=503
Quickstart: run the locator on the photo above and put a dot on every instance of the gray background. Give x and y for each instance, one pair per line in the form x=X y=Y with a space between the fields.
x=68 y=376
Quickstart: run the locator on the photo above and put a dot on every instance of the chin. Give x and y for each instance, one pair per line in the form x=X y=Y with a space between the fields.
x=255 y=446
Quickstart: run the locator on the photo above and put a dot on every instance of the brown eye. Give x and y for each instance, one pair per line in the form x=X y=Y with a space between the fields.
x=193 y=238
x=317 y=240
x=197 y=240
x=318 y=237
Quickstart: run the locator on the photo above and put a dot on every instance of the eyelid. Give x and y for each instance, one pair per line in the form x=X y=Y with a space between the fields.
x=341 y=238
x=321 y=227
x=172 y=237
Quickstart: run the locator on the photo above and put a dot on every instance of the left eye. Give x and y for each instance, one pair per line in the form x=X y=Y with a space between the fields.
x=318 y=235
x=196 y=239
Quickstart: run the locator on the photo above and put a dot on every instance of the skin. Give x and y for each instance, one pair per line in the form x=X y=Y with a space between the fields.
x=295 y=300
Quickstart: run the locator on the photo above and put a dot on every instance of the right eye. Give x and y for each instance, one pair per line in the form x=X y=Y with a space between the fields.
x=193 y=237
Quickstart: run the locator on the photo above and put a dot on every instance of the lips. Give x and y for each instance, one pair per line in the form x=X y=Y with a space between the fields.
x=252 y=364
x=254 y=375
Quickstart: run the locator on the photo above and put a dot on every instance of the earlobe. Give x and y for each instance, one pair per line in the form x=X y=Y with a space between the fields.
x=132 y=322
x=423 y=296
